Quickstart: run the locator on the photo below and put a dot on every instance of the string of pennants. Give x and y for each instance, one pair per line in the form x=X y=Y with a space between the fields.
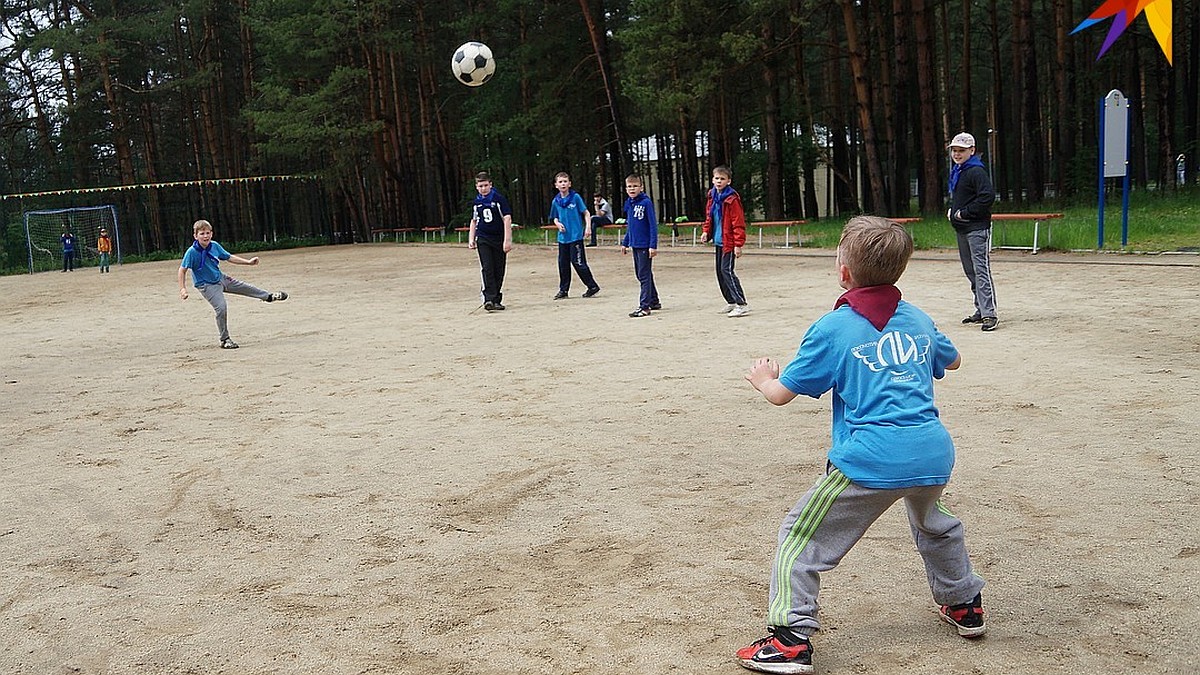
x=143 y=186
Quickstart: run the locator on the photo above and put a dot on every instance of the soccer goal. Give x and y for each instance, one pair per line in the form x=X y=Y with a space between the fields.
x=44 y=230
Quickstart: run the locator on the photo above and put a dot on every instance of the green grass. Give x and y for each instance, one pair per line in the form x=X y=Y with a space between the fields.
x=1157 y=223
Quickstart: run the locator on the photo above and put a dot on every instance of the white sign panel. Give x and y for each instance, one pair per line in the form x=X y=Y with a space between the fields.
x=1116 y=134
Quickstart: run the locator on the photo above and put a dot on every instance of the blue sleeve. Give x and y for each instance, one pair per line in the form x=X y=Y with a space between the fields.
x=653 y=221
x=220 y=253
x=502 y=201
x=809 y=372
x=944 y=353
x=189 y=258
x=581 y=205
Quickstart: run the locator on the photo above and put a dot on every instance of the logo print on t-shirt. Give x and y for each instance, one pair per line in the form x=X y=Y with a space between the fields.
x=893 y=350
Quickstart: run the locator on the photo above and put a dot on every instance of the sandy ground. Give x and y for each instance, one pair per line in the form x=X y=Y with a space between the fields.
x=382 y=480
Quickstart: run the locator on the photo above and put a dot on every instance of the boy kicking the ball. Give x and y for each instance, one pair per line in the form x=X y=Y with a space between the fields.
x=203 y=258
x=879 y=356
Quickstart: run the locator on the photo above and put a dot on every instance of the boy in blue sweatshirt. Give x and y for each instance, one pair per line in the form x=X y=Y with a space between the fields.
x=641 y=235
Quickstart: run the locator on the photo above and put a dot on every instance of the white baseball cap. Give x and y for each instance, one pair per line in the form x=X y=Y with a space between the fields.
x=963 y=140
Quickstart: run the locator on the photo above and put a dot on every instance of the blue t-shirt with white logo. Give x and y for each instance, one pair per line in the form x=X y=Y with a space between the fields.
x=203 y=263
x=569 y=210
x=886 y=430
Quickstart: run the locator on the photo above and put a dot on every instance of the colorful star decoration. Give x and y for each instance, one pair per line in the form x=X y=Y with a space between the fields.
x=1158 y=15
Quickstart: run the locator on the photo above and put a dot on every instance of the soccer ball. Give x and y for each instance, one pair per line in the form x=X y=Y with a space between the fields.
x=473 y=64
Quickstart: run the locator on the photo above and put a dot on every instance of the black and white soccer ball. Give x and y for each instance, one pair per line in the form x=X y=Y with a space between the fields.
x=473 y=64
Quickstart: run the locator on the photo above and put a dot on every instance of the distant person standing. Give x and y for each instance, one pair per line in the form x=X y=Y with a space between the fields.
x=971 y=198
x=601 y=215
x=641 y=236
x=68 y=249
x=570 y=215
x=491 y=236
x=725 y=227
x=104 y=246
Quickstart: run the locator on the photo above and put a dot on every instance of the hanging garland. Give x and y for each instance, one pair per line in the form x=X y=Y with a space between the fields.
x=140 y=186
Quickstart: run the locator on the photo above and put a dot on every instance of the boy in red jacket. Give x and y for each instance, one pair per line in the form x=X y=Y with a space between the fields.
x=725 y=226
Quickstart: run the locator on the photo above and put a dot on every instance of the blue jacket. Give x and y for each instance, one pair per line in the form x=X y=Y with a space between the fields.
x=641 y=229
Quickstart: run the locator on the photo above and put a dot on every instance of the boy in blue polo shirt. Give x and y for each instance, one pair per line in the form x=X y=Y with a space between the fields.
x=879 y=356
x=203 y=258
x=569 y=213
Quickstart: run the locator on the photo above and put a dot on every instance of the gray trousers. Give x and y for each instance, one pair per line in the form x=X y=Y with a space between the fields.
x=975 y=253
x=826 y=523
x=215 y=295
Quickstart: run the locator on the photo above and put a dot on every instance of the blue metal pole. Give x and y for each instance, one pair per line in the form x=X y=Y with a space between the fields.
x=1100 y=192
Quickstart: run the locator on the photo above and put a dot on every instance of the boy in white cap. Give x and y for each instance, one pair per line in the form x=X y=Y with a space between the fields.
x=971 y=197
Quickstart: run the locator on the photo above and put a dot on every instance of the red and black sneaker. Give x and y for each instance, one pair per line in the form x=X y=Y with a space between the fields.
x=967 y=617
x=780 y=652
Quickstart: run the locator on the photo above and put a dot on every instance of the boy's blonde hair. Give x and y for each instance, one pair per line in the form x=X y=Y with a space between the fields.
x=724 y=171
x=635 y=179
x=201 y=225
x=562 y=174
x=875 y=250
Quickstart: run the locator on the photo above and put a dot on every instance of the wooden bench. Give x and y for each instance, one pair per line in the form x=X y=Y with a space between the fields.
x=787 y=226
x=467 y=228
x=1037 y=219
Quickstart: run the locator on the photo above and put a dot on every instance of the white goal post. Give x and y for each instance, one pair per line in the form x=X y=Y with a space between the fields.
x=44 y=229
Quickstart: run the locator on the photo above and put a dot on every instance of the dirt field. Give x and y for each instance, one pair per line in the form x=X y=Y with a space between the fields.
x=383 y=481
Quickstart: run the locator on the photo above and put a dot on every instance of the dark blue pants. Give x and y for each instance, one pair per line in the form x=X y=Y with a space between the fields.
x=642 y=267
x=572 y=255
x=731 y=286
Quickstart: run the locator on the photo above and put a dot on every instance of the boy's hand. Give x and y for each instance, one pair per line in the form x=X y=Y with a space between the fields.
x=703 y=237
x=764 y=370
x=624 y=250
x=253 y=261
x=471 y=243
x=183 y=294
x=653 y=252
x=507 y=245
x=737 y=251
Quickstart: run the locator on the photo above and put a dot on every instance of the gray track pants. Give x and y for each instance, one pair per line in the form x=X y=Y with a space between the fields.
x=975 y=253
x=215 y=295
x=826 y=523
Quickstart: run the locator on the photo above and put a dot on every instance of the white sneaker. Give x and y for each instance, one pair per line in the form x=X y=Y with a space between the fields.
x=728 y=308
x=739 y=310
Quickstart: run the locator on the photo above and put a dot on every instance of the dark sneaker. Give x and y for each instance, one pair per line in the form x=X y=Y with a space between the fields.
x=967 y=617
x=771 y=655
x=974 y=318
x=498 y=307
x=656 y=307
x=277 y=295
x=989 y=323
x=640 y=311
x=228 y=344
x=591 y=291
x=560 y=295
x=489 y=306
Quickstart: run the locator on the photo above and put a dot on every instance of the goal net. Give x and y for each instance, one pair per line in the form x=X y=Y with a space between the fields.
x=44 y=230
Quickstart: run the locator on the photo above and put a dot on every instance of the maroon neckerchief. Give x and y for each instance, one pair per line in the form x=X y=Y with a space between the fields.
x=876 y=304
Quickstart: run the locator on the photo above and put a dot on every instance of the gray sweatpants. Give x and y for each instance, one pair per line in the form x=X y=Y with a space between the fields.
x=826 y=523
x=975 y=254
x=215 y=295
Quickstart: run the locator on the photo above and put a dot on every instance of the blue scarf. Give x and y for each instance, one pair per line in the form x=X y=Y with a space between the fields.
x=486 y=201
x=564 y=202
x=203 y=252
x=718 y=199
x=957 y=169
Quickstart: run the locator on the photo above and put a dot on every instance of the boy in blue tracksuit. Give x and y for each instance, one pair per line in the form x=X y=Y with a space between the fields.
x=879 y=356
x=641 y=235
x=570 y=215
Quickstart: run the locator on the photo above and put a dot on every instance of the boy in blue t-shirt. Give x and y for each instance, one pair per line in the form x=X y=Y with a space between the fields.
x=570 y=215
x=490 y=235
x=68 y=250
x=879 y=356
x=641 y=235
x=203 y=258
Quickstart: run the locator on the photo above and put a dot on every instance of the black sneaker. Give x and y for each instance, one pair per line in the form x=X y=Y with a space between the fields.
x=489 y=306
x=228 y=344
x=498 y=307
x=656 y=307
x=277 y=296
x=772 y=654
x=967 y=617
x=989 y=323
x=591 y=291
x=560 y=295
x=974 y=318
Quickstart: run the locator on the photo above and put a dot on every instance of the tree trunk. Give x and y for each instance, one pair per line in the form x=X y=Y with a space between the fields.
x=932 y=194
x=772 y=131
x=600 y=48
x=862 y=97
